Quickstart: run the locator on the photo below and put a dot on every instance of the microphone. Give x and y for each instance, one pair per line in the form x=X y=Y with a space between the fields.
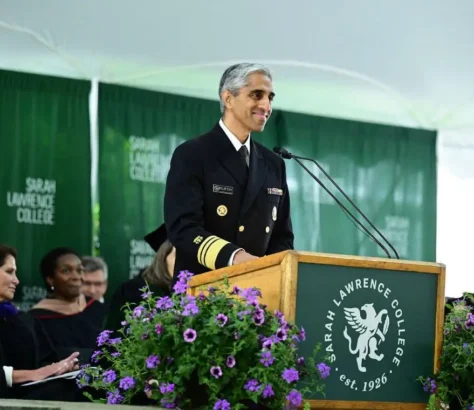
x=288 y=155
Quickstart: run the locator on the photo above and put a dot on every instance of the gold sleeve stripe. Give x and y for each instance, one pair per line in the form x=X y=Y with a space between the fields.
x=203 y=248
x=209 y=251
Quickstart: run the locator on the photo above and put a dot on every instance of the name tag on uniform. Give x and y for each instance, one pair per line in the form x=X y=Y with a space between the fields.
x=275 y=191
x=223 y=189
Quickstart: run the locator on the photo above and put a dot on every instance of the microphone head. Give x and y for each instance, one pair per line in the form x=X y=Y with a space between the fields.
x=282 y=152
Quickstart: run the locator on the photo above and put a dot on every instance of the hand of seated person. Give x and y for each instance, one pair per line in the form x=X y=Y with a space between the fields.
x=66 y=365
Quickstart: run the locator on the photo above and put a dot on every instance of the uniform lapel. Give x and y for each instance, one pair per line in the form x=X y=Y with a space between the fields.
x=229 y=157
x=257 y=174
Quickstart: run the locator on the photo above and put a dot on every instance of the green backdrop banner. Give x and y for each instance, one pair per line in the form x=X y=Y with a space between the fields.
x=138 y=132
x=389 y=171
x=45 y=198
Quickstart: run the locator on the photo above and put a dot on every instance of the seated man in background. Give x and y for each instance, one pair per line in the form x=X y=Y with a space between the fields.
x=94 y=284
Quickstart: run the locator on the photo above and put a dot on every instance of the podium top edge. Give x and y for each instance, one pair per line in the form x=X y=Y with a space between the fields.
x=321 y=259
x=317 y=256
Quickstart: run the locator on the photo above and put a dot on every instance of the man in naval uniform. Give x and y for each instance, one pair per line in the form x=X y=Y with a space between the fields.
x=226 y=199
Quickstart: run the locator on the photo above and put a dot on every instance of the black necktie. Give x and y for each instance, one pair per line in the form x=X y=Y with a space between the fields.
x=244 y=154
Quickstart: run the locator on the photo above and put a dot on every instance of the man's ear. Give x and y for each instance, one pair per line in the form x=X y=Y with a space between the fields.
x=227 y=98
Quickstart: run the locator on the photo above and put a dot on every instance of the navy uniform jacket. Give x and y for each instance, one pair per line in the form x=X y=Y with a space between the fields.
x=210 y=211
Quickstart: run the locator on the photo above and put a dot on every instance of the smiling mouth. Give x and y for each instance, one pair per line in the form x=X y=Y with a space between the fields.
x=260 y=116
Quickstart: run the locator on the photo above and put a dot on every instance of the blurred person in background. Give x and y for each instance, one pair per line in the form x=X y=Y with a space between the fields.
x=26 y=353
x=72 y=320
x=94 y=283
x=158 y=276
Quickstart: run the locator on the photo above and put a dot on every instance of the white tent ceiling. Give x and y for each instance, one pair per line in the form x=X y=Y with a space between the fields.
x=399 y=62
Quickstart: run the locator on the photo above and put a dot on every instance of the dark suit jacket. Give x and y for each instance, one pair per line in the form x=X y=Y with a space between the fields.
x=211 y=210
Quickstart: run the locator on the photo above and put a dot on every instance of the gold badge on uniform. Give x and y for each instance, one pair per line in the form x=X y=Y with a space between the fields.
x=274 y=213
x=222 y=210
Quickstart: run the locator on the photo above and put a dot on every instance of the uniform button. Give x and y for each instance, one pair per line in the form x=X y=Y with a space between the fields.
x=267 y=229
x=241 y=228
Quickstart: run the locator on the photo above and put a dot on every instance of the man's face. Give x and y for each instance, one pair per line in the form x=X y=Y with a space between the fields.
x=94 y=284
x=252 y=106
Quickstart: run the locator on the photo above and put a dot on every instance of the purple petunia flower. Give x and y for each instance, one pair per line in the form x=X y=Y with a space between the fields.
x=258 y=320
x=83 y=381
x=429 y=385
x=295 y=398
x=95 y=356
x=159 y=329
x=103 y=337
x=221 y=320
x=166 y=388
x=324 y=370
x=185 y=276
x=236 y=335
x=281 y=334
x=270 y=341
x=243 y=313
x=230 y=362
x=115 y=341
x=469 y=321
x=152 y=361
x=268 y=391
x=211 y=290
x=302 y=334
x=180 y=287
x=191 y=309
x=138 y=311
x=300 y=361
x=146 y=295
x=164 y=303
x=252 y=385
x=236 y=290
x=222 y=405
x=267 y=359
x=190 y=335
x=290 y=375
x=109 y=376
x=115 y=354
x=254 y=303
x=216 y=371
x=202 y=296
x=114 y=397
x=123 y=323
x=127 y=383
x=250 y=294
x=167 y=403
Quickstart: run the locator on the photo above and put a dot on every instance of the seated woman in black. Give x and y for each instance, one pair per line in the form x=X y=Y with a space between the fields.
x=158 y=276
x=71 y=320
x=26 y=353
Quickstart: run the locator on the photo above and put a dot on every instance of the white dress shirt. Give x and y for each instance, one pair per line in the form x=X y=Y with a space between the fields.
x=237 y=145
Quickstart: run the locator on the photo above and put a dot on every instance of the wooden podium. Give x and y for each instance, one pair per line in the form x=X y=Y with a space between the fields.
x=381 y=320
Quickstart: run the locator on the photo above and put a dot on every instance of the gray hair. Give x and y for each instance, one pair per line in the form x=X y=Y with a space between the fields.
x=236 y=77
x=92 y=263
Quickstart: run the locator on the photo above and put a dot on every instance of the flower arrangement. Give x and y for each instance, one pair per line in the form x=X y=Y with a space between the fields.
x=221 y=350
x=453 y=386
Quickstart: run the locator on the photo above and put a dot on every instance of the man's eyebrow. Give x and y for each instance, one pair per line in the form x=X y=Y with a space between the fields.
x=256 y=90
